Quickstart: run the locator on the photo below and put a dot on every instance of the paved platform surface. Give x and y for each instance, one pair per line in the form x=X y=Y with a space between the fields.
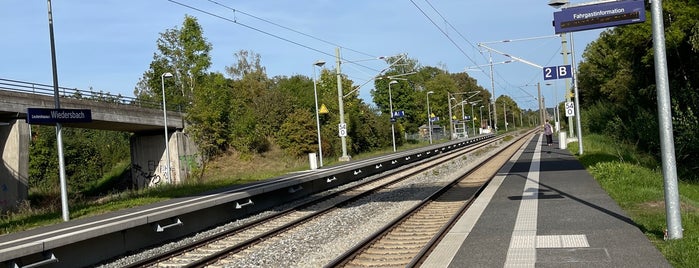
x=543 y=209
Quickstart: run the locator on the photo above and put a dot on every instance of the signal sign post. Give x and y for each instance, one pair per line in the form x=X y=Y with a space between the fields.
x=342 y=129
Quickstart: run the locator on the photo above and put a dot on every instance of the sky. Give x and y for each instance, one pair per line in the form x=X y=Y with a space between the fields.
x=107 y=45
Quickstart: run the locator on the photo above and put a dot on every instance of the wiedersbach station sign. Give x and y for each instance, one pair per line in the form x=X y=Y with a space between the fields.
x=52 y=116
x=596 y=16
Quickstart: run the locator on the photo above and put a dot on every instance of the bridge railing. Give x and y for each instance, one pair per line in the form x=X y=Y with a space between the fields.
x=74 y=93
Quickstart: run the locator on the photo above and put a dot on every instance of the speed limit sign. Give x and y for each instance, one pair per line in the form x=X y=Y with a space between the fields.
x=570 y=109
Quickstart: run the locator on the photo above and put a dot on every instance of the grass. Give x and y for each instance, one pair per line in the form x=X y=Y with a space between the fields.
x=635 y=182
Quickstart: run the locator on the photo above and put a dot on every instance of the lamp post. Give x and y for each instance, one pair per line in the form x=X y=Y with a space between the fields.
x=59 y=130
x=481 y=122
x=168 y=176
x=318 y=63
x=429 y=119
x=473 y=120
x=556 y=113
x=504 y=114
x=390 y=104
x=451 y=120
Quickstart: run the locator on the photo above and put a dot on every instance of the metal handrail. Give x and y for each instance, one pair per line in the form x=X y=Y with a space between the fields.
x=75 y=93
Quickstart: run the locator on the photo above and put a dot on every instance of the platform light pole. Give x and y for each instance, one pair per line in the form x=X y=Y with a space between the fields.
x=59 y=129
x=429 y=118
x=556 y=113
x=473 y=120
x=168 y=176
x=451 y=119
x=390 y=104
x=481 y=122
x=318 y=63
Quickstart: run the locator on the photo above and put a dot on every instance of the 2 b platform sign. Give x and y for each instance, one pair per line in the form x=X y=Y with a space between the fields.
x=557 y=72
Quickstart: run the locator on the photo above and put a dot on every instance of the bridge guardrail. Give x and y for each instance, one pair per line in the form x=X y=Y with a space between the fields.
x=75 y=93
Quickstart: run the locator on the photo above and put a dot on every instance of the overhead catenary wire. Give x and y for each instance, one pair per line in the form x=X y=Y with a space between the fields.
x=293 y=30
x=444 y=33
x=235 y=21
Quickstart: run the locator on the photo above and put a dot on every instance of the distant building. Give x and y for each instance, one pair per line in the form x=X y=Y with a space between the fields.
x=437 y=132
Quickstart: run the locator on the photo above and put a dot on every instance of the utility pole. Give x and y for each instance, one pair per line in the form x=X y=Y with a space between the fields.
x=492 y=85
x=342 y=125
x=564 y=51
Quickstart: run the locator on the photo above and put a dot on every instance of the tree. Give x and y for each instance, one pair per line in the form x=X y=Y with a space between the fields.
x=210 y=115
x=298 y=133
x=617 y=82
x=249 y=97
x=184 y=52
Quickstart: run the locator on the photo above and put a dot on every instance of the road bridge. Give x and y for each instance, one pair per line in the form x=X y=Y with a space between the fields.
x=109 y=112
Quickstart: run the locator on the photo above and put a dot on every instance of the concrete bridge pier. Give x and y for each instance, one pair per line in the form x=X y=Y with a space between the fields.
x=149 y=160
x=14 y=171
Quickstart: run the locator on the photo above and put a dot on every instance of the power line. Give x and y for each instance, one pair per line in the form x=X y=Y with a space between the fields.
x=444 y=33
x=290 y=29
x=452 y=26
x=274 y=35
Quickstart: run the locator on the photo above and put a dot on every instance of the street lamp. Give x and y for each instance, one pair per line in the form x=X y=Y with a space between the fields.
x=481 y=122
x=318 y=63
x=168 y=176
x=429 y=119
x=451 y=119
x=390 y=104
x=556 y=112
x=473 y=121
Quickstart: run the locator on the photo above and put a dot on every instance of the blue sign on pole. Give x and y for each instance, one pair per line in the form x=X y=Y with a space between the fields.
x=52 y=116
x=400 y=113
x=557 y=72
x=596 y=16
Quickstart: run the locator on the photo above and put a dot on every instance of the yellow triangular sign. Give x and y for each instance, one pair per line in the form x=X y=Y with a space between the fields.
x=323 y=109
x=432 y=115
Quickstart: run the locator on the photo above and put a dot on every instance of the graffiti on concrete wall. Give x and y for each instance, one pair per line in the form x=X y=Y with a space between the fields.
x=146 y=177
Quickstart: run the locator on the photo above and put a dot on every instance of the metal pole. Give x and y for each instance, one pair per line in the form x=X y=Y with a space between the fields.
x=315 y=94
x=390 y=104
x=481 y=122
x=564 y=51
x=556 y=112
x=168 y=175
x=667 y=147
x=577 y=98
x=451 y=119
x=492 y=85
x=344 y=156
x=429 y=119
x=541 y=109
x=59 y=129
x=463 y=120
x=473 y=121
x=504 y=114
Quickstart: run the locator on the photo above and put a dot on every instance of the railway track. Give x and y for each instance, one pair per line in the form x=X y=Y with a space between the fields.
x=409 y=238
x=222 y=246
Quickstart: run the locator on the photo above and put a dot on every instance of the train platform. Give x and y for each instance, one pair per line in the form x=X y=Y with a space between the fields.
x=543 y=209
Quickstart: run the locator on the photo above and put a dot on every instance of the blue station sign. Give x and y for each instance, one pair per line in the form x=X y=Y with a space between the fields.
x=52 y=116
x=596 y=16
